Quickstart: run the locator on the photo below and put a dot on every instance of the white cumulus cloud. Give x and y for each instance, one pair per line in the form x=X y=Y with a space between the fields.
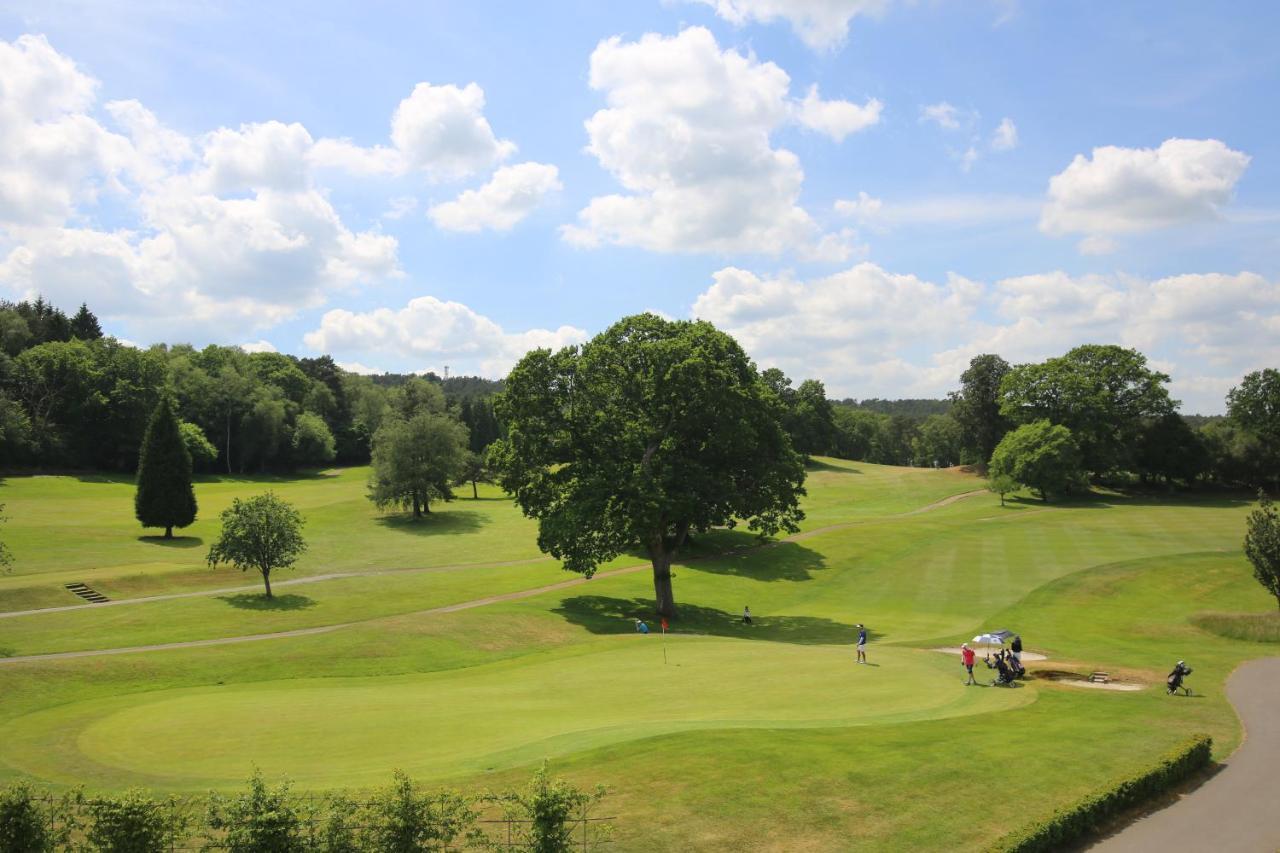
x=942 y=114
x=1005 y=137
x=430 y=328
x=1128 y=190
x=822 y=24
x=686 y=131
x=838 y=118
x=868 y=332
x=510 y=195
x=226 y=231
x=864 y=208
x=442 y=130
x=53 y=155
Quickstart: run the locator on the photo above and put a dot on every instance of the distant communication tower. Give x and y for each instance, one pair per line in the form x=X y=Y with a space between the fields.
x=446 y=371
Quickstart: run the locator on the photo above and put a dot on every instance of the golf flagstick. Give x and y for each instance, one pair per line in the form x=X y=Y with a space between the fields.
x=664 y=641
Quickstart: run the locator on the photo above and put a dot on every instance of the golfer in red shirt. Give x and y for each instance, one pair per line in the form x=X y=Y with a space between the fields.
x=966 y=657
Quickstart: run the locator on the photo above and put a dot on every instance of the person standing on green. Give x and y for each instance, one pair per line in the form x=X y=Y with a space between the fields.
x=862 y=643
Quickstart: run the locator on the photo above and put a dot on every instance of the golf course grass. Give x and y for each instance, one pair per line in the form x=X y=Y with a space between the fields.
x=719 y=736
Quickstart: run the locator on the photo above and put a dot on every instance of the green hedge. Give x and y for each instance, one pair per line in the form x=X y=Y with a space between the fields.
x=1072 y=823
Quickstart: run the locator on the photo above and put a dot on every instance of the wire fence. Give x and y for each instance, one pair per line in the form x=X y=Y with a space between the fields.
x=487 y=825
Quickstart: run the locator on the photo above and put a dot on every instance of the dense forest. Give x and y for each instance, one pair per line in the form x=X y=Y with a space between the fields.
x=74 y=399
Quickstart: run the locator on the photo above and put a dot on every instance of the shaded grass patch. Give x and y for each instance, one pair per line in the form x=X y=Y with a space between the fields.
x=435 y=523
x=258 y=601
x=606 y=615
x=175 y=542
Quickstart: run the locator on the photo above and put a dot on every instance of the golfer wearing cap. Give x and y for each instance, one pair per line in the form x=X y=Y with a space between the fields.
x=862 y=643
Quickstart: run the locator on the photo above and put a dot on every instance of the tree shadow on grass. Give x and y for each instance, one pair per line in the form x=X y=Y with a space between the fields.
x=175 y=542
x=606 y=615
x=258 y=601
x=775 y=561
x=1094 y=500
x=819 y=465
x=436 y=523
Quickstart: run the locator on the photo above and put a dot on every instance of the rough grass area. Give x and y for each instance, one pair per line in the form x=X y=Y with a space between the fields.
x=1253 y=627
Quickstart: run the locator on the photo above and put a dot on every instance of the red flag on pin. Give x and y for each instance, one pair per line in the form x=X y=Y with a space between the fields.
x=664 y=623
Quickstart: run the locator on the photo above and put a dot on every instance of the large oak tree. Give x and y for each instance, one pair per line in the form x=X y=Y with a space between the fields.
x=1104 y=394
x=651 y=431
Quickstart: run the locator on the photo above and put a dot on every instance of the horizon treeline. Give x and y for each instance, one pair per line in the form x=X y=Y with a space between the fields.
x=72 y=398
x=1118 y=410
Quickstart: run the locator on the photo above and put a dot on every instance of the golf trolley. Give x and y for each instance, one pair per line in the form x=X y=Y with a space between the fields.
x=1175 y=681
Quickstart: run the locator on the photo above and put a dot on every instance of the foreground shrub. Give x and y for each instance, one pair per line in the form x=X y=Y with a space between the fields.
x=1074 y=822
x=134 y=823
x=403 y=819
x=31 y=824
x=338 y=832
x=547 y=815
x=261 y=820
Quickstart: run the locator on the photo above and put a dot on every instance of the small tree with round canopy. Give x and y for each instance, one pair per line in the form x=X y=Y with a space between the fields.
x=263 y=533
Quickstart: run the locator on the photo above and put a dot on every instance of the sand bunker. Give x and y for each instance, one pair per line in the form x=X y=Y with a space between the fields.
x=1072 y=679
x=1098 y=685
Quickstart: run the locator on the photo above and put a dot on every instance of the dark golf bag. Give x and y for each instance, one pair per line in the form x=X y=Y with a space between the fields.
x=1174 y=682
x=1004 y=674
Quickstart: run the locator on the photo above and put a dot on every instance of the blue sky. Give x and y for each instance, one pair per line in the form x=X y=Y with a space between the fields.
x=413 y=185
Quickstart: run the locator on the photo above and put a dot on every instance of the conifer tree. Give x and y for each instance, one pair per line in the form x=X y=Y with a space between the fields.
x=84 y=325
x=165 y=495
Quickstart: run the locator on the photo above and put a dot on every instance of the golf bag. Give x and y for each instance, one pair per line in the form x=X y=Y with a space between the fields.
x=1004 y=674
x=1015 y=667
x=1174 y=681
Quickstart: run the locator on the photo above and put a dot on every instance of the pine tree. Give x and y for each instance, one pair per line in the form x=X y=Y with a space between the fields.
x=165 y=495
x=84 y=325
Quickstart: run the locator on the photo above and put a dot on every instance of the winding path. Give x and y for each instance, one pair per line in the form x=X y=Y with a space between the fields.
x=447 y=608
x=1235 y=810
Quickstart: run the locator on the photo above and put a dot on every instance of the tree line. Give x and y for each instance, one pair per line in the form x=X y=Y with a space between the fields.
x=1116 y=409
x=72 y=398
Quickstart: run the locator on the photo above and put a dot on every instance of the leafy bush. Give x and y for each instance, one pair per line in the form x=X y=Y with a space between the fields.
x=27 y=826
x=203 y=453
x=549 y=812
x=1072 y=823
x=338 y=833
x=134 y=823
x=261 y=820
x=403 y=819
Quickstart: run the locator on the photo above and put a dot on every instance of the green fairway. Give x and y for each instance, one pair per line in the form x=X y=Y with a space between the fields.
x=765 y=736
x=459 y=721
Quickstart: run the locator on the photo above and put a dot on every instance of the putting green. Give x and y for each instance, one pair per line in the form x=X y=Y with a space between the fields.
x=348 y=731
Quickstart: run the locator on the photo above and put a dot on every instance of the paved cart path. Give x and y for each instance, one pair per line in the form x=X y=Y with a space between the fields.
x=447 y=608
x=1235 y=810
